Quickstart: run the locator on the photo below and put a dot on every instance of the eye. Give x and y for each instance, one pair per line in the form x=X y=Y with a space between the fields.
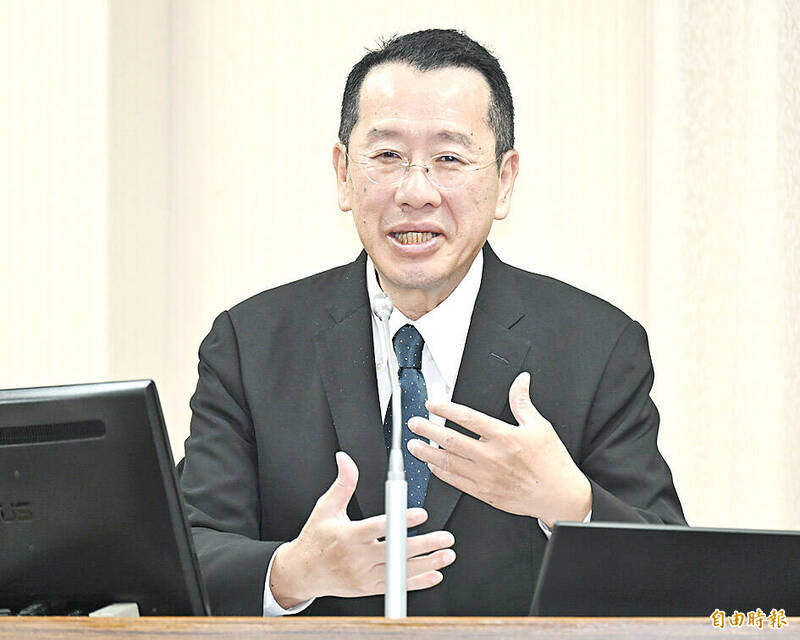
x=387 y=156
x=449 y=159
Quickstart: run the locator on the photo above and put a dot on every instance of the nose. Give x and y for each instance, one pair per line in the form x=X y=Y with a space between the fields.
x=415 y=190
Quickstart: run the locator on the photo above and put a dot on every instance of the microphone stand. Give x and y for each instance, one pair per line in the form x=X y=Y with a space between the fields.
x=396 y=488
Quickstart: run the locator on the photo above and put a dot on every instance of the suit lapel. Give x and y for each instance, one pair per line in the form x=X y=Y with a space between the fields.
x=346 y=361
x=493 y=356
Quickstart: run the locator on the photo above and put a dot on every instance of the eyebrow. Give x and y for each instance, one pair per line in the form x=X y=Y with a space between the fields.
x=451 y=136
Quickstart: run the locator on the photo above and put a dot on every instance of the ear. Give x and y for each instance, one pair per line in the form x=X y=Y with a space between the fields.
x=343 y=185
x=509 y=169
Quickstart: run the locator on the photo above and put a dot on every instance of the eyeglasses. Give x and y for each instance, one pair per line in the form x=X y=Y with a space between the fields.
x=446 y=171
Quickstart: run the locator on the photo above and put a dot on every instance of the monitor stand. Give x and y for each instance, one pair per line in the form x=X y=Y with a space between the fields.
x=117 y=610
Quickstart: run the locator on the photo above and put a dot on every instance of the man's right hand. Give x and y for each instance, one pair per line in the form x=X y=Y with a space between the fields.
x=335 y=556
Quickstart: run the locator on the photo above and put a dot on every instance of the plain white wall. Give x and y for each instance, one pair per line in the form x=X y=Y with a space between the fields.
x=53 y=170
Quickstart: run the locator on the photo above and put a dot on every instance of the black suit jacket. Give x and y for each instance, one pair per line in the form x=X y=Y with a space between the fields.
x=287 y=378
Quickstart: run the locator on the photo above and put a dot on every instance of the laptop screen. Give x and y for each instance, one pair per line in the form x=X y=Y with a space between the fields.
x=607 y=569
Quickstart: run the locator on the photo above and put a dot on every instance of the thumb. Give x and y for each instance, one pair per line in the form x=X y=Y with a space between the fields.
x=336 y=498
x=519 y=400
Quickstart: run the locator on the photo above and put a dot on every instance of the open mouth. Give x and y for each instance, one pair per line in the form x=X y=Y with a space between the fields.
x=413 y=237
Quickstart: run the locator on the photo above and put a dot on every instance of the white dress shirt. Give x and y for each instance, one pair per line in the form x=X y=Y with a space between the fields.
x=444 y=330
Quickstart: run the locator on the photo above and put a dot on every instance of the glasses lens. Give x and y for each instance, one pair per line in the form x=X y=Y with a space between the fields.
x=386 y=171
x=390 y=170
x=447 y=174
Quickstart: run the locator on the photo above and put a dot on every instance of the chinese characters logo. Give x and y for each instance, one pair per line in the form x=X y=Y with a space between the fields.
x=776 y=619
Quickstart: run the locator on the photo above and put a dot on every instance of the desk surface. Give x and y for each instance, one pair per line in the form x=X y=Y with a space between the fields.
x=307 y=628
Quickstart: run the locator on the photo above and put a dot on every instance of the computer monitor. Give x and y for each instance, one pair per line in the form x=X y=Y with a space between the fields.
x=609 y=569
x=90 y=507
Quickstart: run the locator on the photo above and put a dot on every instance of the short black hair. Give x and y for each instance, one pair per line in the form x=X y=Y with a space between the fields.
x=435 y=49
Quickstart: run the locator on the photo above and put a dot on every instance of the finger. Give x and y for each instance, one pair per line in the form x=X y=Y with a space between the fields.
x=336 y=498
x=471 y=419
x=519 y=400
x=445 y=437
x=440 y=458
x=415 y=583
x=460 y=482
x=431 y=562
x=419 y=566
x=375 y=527
x=420 y=545
x=425 y=581
x=428 y=543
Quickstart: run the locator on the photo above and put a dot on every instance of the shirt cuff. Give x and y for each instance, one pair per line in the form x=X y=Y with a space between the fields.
x=549 y=533
x=271 y=607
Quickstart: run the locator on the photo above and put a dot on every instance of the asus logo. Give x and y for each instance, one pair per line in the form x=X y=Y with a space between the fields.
x=16 y=512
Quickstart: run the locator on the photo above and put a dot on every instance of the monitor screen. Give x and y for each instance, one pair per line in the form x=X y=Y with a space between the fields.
x=90 y=509
x=616 y=569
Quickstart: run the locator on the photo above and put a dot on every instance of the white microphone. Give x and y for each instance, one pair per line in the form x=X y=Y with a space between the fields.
x=396 y=488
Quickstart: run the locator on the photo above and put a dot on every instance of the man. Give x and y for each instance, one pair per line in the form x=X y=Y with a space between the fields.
x=544 y=387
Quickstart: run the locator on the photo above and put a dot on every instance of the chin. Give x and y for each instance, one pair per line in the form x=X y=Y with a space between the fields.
x=416 y=279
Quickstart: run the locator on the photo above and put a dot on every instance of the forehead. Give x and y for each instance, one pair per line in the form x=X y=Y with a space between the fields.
x=399 y=99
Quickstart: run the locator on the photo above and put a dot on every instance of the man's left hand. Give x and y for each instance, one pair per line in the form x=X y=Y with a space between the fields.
x=525 y=469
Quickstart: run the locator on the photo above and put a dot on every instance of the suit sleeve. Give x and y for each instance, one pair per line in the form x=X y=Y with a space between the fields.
x=220 y=481
x=630 y=480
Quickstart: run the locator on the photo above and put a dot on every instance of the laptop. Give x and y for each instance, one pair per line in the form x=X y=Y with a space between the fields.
x=610 y=569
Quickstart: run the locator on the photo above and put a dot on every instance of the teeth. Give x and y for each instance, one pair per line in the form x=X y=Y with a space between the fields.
x=414 y=237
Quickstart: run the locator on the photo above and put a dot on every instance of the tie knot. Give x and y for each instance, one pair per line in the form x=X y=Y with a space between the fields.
x=408 y=347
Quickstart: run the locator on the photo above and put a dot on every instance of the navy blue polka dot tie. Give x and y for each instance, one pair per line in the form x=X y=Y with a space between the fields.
x=408 y=347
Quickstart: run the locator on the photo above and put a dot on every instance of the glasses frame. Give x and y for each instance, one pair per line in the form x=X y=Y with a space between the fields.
x=467 y=171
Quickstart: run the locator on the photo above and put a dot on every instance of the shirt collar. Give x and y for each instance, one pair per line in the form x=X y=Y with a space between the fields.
x=444 y=328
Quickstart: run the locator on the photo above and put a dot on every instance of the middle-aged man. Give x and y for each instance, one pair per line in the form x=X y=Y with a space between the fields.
x=544 y=388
